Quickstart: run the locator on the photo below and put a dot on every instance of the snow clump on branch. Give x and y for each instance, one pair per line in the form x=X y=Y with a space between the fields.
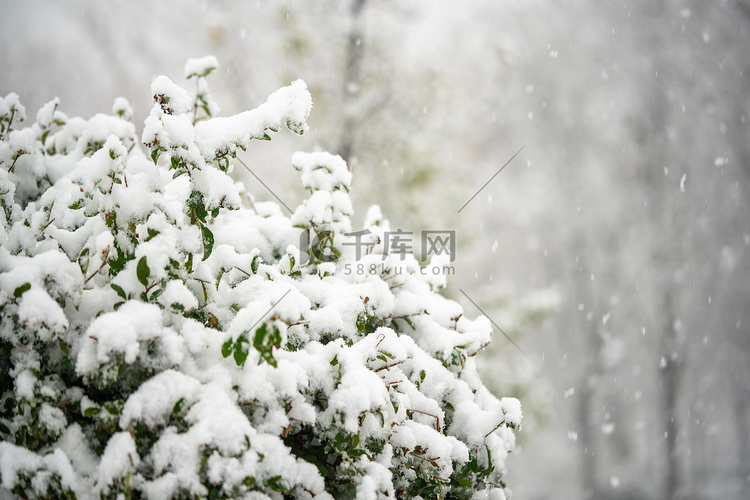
x=160 y=340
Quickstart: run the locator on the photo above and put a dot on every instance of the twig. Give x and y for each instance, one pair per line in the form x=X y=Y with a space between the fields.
x=104 y=263
x=386 y=367
x=48 y=225
x=243 y=271
x=493 y=430
x=153 y=285
x=437 y=420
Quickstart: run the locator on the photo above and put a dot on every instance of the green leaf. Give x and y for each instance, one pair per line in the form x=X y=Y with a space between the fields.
x=111 y=408
x=240 y=351
x=119 y=290
x=489 y=460
x=267 y=356
x=21 y=290
x=226 y=348
x=224 y=165
x=254 y=264
x=197 y=205
x=78 y=204
x=83 y=260
x=178 y=405
x=275 y=484
x=9 y=406
x=260 y=337
x=117 y=264
x=323 y=470
x=240 y=354
x=156 y=294
x=361 y=322
x=111 y=153
x=92 y=412
x=208 y=242
x=264 y=341
x=381 y=417
x=143 y=271
x=155 y=155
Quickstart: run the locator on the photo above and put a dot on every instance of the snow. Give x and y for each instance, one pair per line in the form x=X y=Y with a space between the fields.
x=511 y=408
x=200 y=66
x=122 y=108
x=492 y=494
x=22 y=140
x=154 y=400
x=322 y=171
x=173 y=98
x=288 y=106
x=377 y=481
x=109 y=266
x=51 y=270
x=53 y=419
x=76 y=446
x=46 y=113
x=122 y=332
x=119 y=458
x=177 y=295
x=14 y=459
x=374 y=216
x=13 y=102
x=25 y=382
x=100 y=127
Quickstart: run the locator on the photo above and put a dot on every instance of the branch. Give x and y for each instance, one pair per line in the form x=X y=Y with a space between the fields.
x=493 y=430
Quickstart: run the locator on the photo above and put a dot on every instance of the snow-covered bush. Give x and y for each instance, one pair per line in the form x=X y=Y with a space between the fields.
x=159 y=340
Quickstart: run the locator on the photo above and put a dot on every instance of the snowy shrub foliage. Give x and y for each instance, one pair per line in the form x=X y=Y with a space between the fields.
x=161 y=340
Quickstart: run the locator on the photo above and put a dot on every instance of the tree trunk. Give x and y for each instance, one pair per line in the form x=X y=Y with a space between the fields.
x=352 y=77
x=671 y=377
x=741 y=419
x=590 y=471
x=586 y=412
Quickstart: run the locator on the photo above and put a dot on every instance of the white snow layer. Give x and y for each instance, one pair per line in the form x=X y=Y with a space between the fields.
x=378 y=355
x=201 y=66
